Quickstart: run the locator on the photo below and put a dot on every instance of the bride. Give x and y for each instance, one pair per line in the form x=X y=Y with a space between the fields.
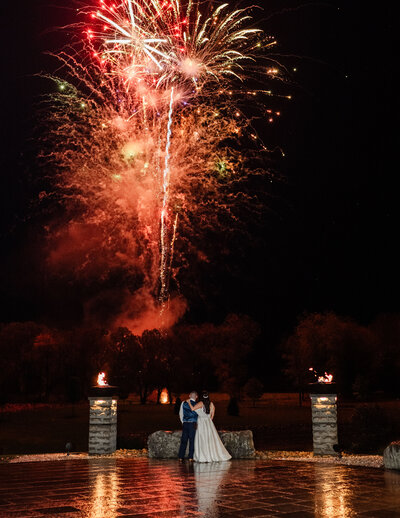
x=208 y=446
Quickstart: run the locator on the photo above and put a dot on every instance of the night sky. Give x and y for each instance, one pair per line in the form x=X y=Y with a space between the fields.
x=330 y=240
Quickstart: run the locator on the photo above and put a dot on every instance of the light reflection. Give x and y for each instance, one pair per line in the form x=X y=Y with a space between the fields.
x=209 y=476
x=104 y=481
x=392 y=480
x=330 y=497
x=103 y=407
x=169 y=487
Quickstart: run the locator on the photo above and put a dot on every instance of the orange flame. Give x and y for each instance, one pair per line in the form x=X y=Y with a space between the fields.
x=101 y=379
x=164 y=399
x=325 y=379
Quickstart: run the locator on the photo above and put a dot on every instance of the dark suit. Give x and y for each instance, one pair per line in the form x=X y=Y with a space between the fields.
x=189 y=425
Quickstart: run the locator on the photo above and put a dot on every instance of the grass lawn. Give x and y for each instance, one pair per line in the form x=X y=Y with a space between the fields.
x=278 y=423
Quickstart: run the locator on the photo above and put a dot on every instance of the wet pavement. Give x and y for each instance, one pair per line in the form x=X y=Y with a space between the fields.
x=146 y=488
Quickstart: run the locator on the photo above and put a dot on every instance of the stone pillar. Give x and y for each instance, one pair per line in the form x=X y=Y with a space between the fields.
x=324 y=418
x=102 y=422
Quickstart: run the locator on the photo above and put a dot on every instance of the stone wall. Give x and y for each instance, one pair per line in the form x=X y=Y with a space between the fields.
x=165 y=444
x=102 y=425
x=324 y=423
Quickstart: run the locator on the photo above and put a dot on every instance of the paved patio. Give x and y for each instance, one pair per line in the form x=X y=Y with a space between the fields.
x=146 y=488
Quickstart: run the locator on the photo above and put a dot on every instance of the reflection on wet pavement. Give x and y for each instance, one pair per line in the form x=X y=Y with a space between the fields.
x=147 y=488
x=208 y=478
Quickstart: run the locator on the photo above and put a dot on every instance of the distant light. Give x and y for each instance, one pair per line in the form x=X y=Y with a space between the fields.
x=164 y=398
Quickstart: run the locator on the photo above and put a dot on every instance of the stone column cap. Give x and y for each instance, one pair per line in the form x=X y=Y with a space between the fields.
x=321 y=389
x=107 y=391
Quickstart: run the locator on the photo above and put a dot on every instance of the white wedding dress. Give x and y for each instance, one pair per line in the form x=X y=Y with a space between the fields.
x=208 y=446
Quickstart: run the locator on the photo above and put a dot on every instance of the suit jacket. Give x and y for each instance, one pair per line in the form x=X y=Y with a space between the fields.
x=186 y=415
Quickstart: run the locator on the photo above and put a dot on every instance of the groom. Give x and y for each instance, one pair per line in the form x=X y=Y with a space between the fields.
x=189 y=425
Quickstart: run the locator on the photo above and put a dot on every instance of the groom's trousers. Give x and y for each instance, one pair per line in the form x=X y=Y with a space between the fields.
x=188 y=433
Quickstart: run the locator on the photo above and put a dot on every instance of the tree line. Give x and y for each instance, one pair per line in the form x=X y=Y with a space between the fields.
x=40 y=363
x=362 y=359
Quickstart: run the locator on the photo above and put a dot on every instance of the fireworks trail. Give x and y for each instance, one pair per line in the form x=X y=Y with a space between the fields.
x=164 y=214
x=147 y=128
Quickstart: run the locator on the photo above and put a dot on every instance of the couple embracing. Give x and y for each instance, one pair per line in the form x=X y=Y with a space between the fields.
x=197 y=417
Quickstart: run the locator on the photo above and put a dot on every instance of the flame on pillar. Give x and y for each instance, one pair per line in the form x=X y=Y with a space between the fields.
x=327 y=378
x=164 y=398
x=101 y=379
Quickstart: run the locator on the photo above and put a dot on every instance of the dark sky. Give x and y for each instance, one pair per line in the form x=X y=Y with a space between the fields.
x=331 y=242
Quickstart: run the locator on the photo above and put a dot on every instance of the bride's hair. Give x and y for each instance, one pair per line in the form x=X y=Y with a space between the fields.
x=206 y=401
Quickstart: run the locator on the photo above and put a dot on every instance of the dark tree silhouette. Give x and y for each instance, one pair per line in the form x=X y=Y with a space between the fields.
x=333 y=344
x=254 y=389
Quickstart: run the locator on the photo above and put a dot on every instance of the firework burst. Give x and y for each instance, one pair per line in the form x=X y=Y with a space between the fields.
x=146 y=130
x=156 y=44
